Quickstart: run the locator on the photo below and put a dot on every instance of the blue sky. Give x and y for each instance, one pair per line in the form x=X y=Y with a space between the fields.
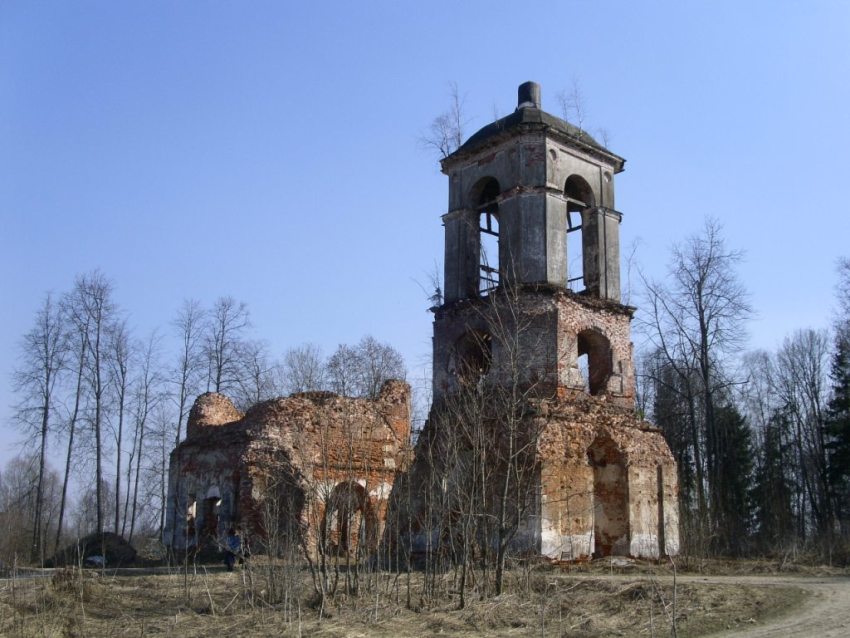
x=269 y=150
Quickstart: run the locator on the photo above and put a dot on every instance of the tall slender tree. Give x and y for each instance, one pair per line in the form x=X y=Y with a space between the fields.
x=222 y=341
x=147 y=397
x=188 y=325
x=120 y=354
x=696 y=319
x=92 y=304
x=42 y=360
x=77 y=326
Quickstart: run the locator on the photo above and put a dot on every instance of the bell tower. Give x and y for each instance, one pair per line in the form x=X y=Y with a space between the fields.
x=531 y=215
x=532 y=360
x=529 y=180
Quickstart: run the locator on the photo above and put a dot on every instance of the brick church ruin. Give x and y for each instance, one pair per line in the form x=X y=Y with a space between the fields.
x=311 y=462
x=532 y=443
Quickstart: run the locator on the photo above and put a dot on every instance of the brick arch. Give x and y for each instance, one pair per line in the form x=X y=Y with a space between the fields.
x=594 y=343
x=349 y=523
x=471 y=356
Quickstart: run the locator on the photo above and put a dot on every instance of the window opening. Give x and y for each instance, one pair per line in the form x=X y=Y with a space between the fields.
x=595 y=348
x=489 y=263
x=584 y=369
x=575 y=252
x=489 y=272
x=470 y=359
x=579 y=199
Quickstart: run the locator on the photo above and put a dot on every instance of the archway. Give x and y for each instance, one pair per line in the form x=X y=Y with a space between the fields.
x=470 y=358
x=349 y=523
x=484 y=196
x=209 y=531
x=594 y=353
x=610 y=497
x=580 y=199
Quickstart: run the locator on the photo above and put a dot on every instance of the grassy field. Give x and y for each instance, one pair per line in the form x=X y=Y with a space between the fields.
x=588 y=600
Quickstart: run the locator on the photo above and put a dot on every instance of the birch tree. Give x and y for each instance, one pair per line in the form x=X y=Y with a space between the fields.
x=42 y=360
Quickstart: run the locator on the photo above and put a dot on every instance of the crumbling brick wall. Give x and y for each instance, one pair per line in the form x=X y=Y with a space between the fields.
x=608 y=482
x=305 y=449
x=604 y=482
x=547 y=327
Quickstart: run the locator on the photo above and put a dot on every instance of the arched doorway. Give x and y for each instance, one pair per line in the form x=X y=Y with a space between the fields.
x=610 y=497
x=349 y=523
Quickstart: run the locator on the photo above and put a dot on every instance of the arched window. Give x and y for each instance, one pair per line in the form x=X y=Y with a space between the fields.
x=579 y=198
x=470 y=359
x=594 y=360
x=484 y=196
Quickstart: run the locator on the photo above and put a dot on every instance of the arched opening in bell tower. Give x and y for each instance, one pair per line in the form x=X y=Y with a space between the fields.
x=579 y=197
x=594 y=360
x=485 y=195
x=470 y=359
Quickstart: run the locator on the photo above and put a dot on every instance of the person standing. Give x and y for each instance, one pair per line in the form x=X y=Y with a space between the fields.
x=232 y=548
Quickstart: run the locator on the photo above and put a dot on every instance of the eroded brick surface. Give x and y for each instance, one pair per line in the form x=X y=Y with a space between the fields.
x=283 y=463
x=608 y=482
x=605 y=480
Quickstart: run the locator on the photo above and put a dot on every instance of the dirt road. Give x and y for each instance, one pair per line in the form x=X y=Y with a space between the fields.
x=825 y=614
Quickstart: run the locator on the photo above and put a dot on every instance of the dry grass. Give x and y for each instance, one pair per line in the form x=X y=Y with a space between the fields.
x=543 y=602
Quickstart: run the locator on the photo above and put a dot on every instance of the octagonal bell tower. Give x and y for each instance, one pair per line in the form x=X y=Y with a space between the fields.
x=533 y=356
x=531 y=210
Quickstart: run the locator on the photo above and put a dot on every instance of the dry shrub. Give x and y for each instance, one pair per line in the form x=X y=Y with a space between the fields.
x=80 y=585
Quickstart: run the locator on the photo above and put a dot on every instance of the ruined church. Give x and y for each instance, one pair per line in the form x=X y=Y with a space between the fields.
x=533 y=380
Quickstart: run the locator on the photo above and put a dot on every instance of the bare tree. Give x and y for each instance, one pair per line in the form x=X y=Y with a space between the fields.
x=801 y=382
x=147 y=397
x=362 y=369
x=574 y=104
x=257 y=380
x=476 y=474
x=19 y=486
x=92 y=305
x=342 y=370
x=303 y=369
x=119 y=371
x=223 y=335
x=188 y=325
x=378 y=363
x=696 y=319
x=77 y=325
x=42 y=359
x=445 y=134
x=156 y=482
